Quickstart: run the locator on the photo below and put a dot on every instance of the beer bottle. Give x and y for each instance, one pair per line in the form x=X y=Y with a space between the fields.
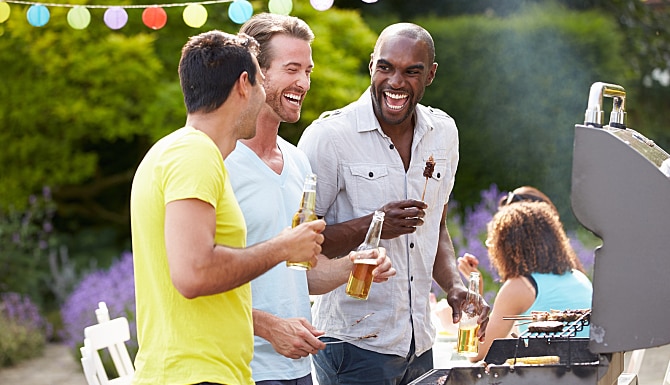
x=305 y=214
x=360 y=278
x=468 y=343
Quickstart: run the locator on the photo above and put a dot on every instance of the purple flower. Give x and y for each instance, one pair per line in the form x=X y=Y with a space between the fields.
x=21 y=310
x=114 y=286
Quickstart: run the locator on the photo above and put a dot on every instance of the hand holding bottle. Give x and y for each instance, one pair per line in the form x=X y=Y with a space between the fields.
x=365 y=260
x=468 y=328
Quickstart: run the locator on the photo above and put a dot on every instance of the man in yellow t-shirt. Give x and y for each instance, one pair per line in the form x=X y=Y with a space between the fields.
x=188 y=231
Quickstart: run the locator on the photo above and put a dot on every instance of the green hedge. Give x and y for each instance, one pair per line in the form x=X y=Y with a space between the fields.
x=516 y=87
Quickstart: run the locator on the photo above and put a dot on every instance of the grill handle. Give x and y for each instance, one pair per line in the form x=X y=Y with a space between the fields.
x=594 y=112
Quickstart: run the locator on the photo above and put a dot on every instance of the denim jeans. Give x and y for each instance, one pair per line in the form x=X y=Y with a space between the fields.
x=345 y=363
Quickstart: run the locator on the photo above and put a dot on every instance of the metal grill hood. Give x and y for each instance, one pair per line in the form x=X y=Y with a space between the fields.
x=621 y=193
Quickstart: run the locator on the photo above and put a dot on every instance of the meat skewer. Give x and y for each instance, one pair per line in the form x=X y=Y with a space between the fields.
x=428 y=173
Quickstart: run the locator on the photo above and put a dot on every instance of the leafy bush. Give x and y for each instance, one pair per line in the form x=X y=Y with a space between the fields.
x=114 y=286
x=25 y=239
x=23 y=331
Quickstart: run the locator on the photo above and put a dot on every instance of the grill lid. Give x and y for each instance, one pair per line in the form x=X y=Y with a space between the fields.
x=621 y=193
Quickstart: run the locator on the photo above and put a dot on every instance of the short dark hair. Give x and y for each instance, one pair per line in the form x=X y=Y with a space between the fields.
x=210 y=64
x=264 y=26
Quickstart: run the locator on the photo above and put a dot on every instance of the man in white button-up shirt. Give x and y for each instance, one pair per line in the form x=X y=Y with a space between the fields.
x=369 y=155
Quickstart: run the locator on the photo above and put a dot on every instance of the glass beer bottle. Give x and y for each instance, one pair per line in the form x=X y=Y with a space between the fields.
x=468 y=343
x=360 y=278
x=305 y=214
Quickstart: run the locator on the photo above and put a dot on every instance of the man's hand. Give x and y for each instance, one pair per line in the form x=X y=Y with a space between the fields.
x=402 y=217
x=384 y=269
x=456 y=299
x=303 y=242
x=295 y=338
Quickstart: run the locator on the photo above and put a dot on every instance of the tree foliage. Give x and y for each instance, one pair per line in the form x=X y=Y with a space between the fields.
x=79 y=108
x=68 y=95
x=516 y=87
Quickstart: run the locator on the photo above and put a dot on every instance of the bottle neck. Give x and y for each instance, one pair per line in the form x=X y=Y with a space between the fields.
x=473 y=285
x=308 y=201
x=374 y=233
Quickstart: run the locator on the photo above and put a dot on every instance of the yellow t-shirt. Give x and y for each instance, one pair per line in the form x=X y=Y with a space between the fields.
x=186 y=341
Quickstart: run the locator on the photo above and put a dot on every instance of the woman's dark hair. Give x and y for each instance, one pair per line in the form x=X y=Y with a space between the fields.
x=528 y=237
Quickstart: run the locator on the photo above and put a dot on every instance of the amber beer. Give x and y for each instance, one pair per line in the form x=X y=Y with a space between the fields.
x=468 y=343
x=305 y=214
x=360 y=278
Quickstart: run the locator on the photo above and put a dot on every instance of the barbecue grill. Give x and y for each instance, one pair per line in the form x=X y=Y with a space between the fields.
x=621 y=193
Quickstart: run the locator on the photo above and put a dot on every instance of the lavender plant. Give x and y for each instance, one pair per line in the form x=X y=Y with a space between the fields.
x=114 y=286
x=23 y=331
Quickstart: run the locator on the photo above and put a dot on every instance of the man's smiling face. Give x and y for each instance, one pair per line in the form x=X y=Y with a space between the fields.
x=287 y=79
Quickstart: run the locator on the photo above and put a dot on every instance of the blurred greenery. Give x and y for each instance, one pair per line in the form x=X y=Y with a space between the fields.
x=515 y=122
x=79 y=108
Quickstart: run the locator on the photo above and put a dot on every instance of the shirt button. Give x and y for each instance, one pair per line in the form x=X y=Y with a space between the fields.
x=438 y=174
x=371 y=174
x=411 y=245
x=391 y=146
x=411 y=279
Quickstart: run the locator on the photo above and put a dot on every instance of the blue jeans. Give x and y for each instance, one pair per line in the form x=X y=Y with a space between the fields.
x=345 y=363
x=307 y=380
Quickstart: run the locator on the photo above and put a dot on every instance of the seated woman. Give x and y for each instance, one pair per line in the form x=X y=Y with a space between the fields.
x=537 y=265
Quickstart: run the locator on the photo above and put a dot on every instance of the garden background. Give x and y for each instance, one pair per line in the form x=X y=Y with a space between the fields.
x=79 y=108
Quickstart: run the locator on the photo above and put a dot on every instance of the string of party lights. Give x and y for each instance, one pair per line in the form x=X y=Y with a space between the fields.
x=154 y=15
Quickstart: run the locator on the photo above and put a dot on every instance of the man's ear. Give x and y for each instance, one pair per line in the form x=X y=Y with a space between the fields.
x=372 y=62
x=431 y=74
x=242 y=85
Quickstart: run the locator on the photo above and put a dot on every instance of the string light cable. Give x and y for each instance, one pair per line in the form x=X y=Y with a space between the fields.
x=153 y=16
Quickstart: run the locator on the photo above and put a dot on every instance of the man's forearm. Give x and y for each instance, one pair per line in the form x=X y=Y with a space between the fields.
x=343 y=237
x=262 y=321
x=328 y=274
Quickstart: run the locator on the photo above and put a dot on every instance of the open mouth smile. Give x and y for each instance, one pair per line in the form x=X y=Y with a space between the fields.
x=395 y=100
x=292 y=98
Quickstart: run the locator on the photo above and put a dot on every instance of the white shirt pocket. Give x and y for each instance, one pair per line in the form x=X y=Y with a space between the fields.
x=367 y=186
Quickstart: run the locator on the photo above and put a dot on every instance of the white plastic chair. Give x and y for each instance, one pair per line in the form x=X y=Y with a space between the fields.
x=111 y=335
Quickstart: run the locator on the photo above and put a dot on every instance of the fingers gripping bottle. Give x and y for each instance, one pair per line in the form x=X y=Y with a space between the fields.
x=468 y=343
x=305 y=214
x=360 y=278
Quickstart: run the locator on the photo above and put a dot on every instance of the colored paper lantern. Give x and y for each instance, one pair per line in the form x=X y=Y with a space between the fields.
x=240 y=11
x=79 y=17
x=115 y=17
x=321 y=5
x=195 y=15
x=4 y=11
x=280 y=7
x=154 y=17
x=38 y=15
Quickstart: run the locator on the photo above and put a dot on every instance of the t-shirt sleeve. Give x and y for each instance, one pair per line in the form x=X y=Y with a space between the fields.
x=193 y=168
